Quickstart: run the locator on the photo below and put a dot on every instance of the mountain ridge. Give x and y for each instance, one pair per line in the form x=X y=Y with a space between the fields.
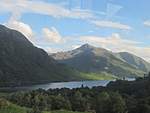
x=96 y=59
x=22 y=63
x=134 y=60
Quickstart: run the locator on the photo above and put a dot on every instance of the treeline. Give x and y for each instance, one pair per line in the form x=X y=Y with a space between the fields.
x=76 y=100
x=117 y=97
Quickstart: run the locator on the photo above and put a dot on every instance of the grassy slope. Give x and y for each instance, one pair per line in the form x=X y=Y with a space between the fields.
x=12 y=108
x=98 y=76
x=124 y=66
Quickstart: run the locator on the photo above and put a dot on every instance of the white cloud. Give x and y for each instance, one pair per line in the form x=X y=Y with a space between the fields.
x=21 y=27
x=14 y=20
x=50 y=50
x=40 y=7
x=56 y=10
x=18 y=7
x=147 y=23
x=116 y=43
x=110 y=24
x=114 y=40
x=52 y=35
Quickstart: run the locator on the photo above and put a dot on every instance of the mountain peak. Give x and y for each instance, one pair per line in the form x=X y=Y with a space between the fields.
x=86 y=46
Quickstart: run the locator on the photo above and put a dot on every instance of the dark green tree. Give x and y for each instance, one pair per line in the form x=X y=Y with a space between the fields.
x=117 y=104
x=102 y=103
x=78 y=102
x=59 y=102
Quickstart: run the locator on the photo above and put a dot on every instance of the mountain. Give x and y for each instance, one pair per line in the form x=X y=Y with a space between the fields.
x=93 y=59
x=135 y=61
x=21 y=63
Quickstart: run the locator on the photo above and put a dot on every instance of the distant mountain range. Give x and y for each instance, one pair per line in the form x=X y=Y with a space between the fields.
x=92 y=59
x=21 y=63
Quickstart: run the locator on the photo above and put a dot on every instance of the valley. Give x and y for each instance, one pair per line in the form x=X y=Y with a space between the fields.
x=74 y=56
x=23 y=64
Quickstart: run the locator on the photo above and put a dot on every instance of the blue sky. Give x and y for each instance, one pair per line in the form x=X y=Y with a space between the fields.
x=60 y=25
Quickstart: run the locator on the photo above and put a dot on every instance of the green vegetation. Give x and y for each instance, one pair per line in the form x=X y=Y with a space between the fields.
x=117 y=97
x=126 y=69
x=12 y=108
x=81 y=100
x=98 y=76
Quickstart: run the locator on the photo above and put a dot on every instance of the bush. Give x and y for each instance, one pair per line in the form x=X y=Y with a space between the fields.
x=3 y=103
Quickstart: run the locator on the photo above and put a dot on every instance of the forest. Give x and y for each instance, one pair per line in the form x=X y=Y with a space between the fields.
x=118 y=97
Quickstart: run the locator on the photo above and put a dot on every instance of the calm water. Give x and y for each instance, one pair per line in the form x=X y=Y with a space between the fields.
x=70 y=85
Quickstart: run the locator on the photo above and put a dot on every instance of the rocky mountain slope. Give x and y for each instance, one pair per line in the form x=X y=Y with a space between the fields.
x=92 y=59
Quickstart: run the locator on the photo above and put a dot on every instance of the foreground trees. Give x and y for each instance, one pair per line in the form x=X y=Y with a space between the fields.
x=117 y=97
x=75 y=100
x=110 y=103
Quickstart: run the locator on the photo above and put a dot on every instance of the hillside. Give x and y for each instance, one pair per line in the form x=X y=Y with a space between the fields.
x=135 y=61
x=21 y=63
x=89 y=59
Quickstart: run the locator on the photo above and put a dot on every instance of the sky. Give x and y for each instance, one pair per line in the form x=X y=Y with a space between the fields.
x=62 y=25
